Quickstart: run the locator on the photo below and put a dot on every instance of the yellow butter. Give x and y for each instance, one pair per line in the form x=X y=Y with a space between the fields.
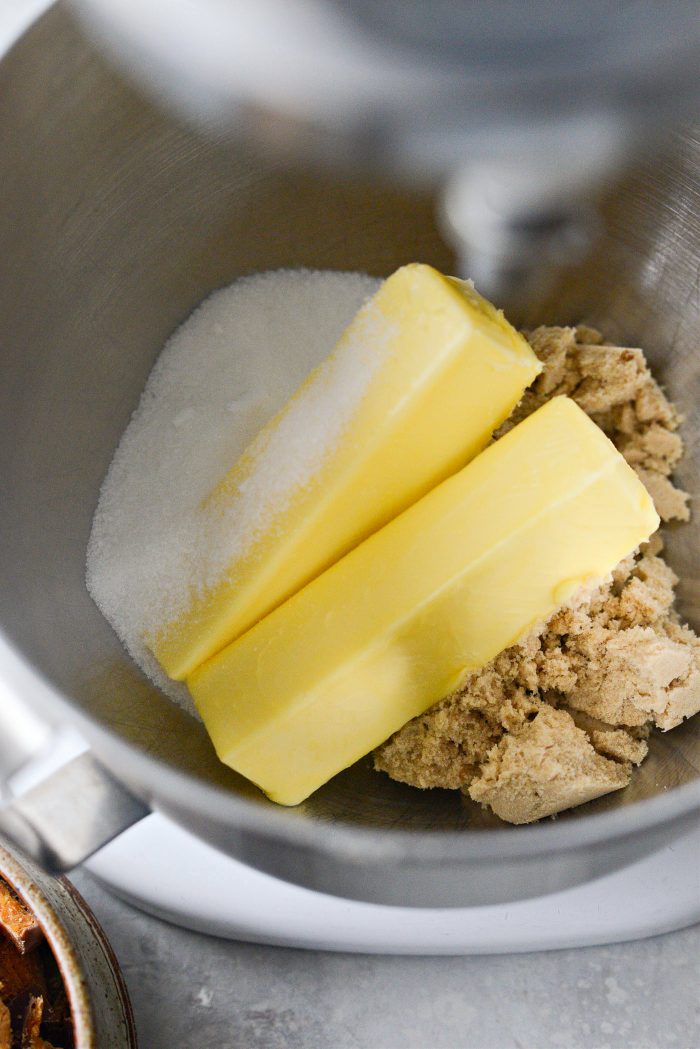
x=393 y=627
x=441 y=370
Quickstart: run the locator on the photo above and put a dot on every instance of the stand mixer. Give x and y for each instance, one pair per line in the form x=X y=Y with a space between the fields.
x=519 y=114
x=130 y=221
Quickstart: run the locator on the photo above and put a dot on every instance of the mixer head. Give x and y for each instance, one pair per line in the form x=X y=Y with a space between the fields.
x=518 y=113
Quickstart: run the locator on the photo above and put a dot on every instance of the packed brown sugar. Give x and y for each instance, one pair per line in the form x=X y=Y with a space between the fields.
x=563 y=716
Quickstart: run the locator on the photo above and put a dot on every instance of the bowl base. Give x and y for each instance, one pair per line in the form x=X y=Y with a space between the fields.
x=162 y=869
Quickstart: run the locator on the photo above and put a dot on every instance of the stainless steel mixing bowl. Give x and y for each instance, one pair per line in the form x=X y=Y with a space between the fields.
x=114 y=223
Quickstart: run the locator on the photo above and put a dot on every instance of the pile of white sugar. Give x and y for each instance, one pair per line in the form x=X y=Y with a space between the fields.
x=226 y=371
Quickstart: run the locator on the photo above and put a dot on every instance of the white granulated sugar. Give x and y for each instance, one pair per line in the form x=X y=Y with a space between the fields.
x=288 y=458
x=222 y=376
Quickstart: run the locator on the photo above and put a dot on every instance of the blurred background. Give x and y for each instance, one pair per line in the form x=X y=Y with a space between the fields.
x=518 y=115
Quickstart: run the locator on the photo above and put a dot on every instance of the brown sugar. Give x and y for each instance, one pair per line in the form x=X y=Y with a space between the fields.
x=562 y=716
x=547 y=765
x=614 y=386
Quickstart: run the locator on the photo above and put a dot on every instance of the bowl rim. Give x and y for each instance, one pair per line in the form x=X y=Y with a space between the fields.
x=157 y=783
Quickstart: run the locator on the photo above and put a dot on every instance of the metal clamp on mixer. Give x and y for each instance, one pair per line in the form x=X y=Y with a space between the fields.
x=67 y=804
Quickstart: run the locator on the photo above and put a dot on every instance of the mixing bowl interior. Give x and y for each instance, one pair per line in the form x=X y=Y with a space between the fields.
x=115 y=221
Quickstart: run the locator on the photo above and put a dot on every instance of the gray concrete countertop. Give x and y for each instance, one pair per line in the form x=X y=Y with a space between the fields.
x=195 y=992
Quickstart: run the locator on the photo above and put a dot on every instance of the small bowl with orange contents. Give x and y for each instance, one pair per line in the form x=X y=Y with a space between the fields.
x=60 y=984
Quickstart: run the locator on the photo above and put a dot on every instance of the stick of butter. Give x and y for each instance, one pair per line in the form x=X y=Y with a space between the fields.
x=414 y=389
x=394 y=626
